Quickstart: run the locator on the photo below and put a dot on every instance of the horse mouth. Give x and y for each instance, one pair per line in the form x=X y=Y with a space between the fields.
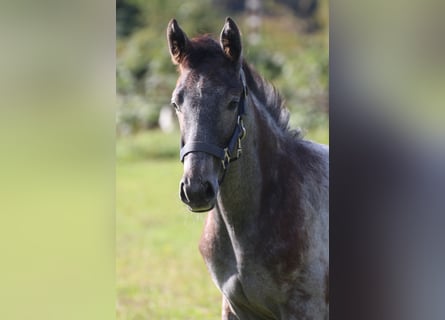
x=202 y=206
x=201 y=209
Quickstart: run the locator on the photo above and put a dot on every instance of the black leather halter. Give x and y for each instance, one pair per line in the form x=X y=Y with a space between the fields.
x=233 y=150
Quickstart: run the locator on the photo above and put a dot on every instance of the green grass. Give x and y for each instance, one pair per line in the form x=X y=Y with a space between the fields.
x=153 y=144
x=160 y=274
x=319 y=134
x=159 y=271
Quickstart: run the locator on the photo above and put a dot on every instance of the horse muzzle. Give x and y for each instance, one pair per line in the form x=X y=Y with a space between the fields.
x=199 y=186
x=199 y=196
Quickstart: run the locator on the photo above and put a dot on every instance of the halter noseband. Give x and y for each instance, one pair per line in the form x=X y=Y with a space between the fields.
x=233 y=149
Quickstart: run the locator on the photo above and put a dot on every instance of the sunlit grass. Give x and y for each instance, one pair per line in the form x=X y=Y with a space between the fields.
x=153 y=144
x=318 y=134
x=160 y=274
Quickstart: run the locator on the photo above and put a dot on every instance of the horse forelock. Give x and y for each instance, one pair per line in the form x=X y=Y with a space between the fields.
x=203 y=49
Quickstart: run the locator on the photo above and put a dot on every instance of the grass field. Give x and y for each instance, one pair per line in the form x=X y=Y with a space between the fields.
x=159 y=272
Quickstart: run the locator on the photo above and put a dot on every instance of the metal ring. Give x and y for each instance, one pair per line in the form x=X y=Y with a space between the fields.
x=243 y=129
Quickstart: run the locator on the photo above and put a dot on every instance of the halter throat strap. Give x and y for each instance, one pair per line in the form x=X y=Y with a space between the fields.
x=233 y=149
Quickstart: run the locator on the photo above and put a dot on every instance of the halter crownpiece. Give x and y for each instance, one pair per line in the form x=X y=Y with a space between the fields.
x=233 y=150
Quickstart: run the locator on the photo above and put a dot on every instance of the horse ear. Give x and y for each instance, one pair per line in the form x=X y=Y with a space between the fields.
x=230 y=40
x=177 y=41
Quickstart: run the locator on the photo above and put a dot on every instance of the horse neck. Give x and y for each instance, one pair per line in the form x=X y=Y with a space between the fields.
x=240 y=193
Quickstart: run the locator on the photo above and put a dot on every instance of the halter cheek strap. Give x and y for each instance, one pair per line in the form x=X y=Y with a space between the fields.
x=233 y=149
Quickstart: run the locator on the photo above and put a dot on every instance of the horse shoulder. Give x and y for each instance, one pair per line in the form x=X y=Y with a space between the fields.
x=314 y=204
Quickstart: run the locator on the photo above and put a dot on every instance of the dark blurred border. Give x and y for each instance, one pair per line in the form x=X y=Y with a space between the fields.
x=387 y=160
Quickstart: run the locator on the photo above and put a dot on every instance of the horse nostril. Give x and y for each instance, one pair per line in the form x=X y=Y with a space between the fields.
x=199 y=196
x=183 y=194
x=209 y=190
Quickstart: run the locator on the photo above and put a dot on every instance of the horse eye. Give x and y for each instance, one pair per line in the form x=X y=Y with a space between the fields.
x=233 y=105
x=174 y=105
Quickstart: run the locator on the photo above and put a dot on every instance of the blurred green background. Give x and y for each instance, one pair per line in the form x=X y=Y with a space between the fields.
x=159 y=272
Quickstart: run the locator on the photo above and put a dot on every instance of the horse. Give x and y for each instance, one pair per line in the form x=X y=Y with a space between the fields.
x=265 y=188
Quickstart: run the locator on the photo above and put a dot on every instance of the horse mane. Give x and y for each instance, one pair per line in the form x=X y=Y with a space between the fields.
x=271 y=98
x=204 y=47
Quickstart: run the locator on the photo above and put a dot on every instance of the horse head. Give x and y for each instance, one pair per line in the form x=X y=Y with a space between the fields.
x=207 y=101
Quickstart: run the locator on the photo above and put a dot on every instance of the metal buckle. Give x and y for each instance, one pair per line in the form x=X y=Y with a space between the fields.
x=239 y=151
x=243 y=129
x=226 y=159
